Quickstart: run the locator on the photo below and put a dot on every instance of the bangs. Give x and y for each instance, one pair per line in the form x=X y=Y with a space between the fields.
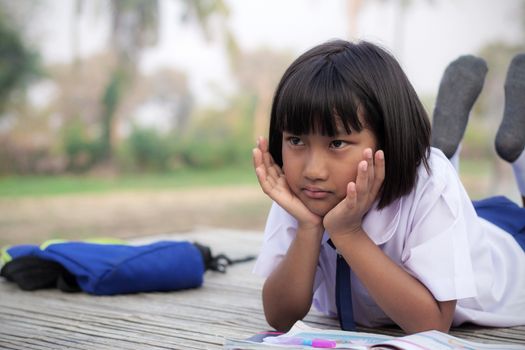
x=347 y=85
x=317 y=99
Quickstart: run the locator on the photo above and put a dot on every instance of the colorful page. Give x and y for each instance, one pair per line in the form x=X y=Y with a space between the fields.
x=342 y=339
x=432 y=340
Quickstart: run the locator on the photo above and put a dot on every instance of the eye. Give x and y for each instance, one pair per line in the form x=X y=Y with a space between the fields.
x=295 y=141
x=338 y=144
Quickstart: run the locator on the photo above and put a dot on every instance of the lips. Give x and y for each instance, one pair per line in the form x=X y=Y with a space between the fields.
x=315 y=192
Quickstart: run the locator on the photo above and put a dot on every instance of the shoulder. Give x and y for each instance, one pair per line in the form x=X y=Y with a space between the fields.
x=440 y=182
x=432 y=186
x=441 y=172
x=439 y=202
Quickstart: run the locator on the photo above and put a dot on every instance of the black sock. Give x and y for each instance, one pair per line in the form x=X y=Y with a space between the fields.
x=460 y=86
x=510 y=139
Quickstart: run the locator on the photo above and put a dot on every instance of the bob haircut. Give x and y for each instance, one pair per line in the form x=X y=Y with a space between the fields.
x=336 y=81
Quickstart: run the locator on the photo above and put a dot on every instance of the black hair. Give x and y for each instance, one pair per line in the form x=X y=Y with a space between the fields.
x=333 y=82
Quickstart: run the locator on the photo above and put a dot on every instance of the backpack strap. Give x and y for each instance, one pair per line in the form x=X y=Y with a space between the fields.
x=219 y=262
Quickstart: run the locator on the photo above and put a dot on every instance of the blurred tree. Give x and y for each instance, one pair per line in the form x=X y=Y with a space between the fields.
x=135 y=26
x=150 y=150
x=77 y=107
x=258 y=74
x=219 y=136
x=19 y=66
x=18 y=63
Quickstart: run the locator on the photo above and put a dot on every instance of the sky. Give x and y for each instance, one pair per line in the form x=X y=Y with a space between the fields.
x=425 y=39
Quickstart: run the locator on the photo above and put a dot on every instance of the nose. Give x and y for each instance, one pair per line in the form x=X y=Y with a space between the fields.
x=315 y=168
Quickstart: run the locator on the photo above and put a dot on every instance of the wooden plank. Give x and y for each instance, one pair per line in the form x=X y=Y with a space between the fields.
x=226 y=306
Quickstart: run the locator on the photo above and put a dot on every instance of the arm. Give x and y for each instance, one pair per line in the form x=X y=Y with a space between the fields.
x=402 y=297
x=288 y=291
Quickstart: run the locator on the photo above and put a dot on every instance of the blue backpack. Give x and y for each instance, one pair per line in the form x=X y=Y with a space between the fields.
x=111 y=268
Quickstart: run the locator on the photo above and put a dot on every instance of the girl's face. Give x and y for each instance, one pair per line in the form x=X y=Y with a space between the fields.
x=318 y=168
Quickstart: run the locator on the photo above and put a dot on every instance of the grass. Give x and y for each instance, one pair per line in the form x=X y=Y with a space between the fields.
x=35 y=186
x=475 y=173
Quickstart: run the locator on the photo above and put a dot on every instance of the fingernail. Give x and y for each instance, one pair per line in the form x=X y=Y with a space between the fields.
x=380 y=154
x=364 y=166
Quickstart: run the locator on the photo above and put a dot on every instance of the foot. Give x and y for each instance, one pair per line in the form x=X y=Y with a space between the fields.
x=510 y=138
x=459 y=88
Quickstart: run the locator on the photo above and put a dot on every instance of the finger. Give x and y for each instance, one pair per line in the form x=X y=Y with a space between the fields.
x=257 y=157
x=266 y=182
x=258 y=161
x=263 y=146
x=361 y=182
x=260 y=167
x=368 y=156
x=351 y=195
x=379 y=171
x=261 y=174
x=271 y=166
x=262 y=143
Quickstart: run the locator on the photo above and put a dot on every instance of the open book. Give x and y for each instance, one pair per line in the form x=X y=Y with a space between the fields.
x=302 y=336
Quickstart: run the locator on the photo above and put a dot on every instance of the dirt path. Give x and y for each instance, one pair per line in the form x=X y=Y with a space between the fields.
x=130 y=214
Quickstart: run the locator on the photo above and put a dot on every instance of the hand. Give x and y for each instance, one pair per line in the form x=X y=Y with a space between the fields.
x=346 y=217
x=273 y=183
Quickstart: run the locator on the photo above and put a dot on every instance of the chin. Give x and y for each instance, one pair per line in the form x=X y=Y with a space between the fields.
x=320 y=210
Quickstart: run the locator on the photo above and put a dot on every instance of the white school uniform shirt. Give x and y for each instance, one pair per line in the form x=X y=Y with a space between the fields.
x=434 y=234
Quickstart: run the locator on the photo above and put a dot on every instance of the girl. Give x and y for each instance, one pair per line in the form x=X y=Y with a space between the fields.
x=369 y=222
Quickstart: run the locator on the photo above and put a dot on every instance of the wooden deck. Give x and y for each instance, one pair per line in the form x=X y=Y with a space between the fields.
x=227 y=306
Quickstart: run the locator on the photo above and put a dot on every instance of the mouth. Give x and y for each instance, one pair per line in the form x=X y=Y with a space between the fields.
x=315 y=192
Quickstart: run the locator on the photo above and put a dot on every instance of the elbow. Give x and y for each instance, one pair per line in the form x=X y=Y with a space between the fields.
x=440 y=323
x=282 y=315
x=283 y=307
x=439 y=319
x=281 y=318
x=428 y=326
x=279 y=324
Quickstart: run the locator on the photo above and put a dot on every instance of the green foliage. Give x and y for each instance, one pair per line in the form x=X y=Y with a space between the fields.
x=150 y=150
x=220 y=137
x=215 y=138
x=18 y=64
x=82 y=152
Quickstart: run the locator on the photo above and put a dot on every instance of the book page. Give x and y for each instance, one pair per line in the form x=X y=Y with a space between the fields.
x=431 y=340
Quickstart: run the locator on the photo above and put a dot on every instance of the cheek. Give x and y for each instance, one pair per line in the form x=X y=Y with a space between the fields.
x=290 y=171
x=288 y=161
x=291 y=167
x=346 y=173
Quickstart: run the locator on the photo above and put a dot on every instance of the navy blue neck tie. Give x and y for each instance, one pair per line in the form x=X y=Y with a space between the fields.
x=343 y=293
